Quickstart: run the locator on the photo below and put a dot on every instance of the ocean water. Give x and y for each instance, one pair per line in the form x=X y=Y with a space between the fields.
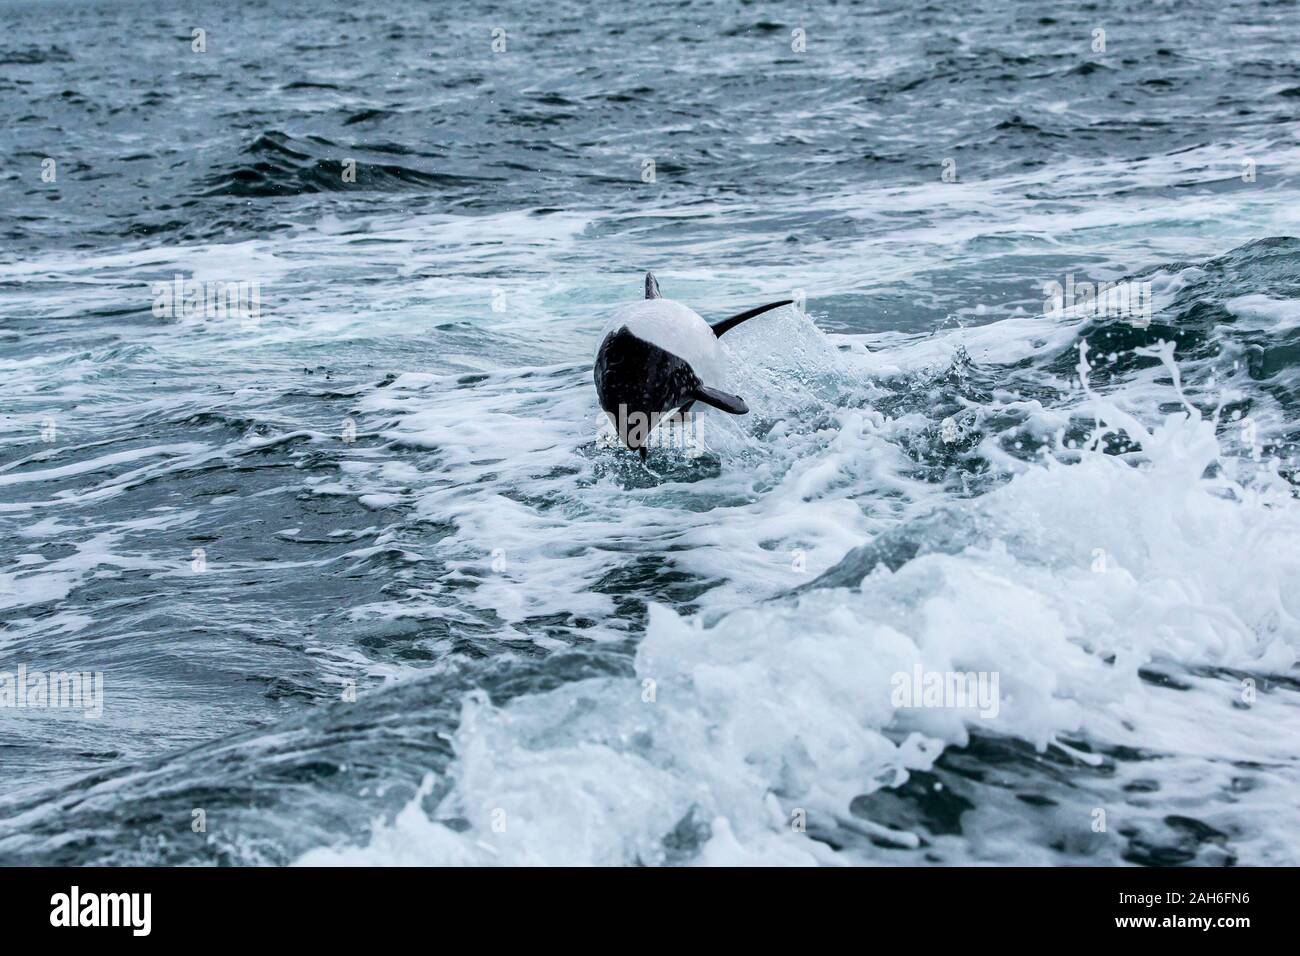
x=364 y=584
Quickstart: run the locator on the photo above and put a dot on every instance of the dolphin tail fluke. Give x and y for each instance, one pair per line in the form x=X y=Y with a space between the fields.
x=722 y=400
x=651 y=286
x=735 y=320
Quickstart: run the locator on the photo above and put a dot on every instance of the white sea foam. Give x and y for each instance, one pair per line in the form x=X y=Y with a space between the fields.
x=1082 y=575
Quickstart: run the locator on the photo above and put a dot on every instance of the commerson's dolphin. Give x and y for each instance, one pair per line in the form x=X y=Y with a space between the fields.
x=659 y=356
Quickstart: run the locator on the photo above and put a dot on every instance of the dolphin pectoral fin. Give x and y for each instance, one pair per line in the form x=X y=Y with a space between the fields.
x=735 y=320
x=651 y=286
x=723 y=400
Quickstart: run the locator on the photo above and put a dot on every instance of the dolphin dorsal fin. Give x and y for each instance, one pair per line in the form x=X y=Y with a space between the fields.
x=652 y=286
x=735 y=320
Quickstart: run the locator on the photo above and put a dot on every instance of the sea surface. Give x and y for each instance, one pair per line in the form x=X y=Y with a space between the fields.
x=364 y=584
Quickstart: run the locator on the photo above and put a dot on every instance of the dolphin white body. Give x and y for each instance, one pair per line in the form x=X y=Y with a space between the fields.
x=675 y=328
x=659 y=357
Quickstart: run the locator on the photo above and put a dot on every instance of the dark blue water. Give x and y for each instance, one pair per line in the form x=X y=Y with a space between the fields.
x=361 y=579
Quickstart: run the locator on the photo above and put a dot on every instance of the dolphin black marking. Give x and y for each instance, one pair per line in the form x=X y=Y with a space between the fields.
x=638 y=380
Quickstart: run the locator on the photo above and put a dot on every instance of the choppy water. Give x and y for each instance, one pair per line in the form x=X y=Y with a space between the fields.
x=393 y=478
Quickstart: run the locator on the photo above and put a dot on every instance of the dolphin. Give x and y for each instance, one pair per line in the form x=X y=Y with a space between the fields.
x=658 y=356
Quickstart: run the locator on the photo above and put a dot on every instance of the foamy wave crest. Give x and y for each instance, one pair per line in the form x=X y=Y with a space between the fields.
x=1122 y=604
